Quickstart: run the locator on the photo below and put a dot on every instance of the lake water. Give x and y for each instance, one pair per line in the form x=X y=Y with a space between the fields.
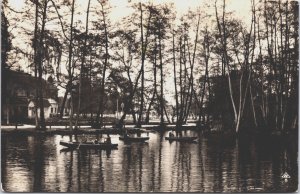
x=38 y=164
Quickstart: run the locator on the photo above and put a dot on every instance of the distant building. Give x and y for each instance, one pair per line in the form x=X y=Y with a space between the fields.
x=50 y=108
x=18 y=91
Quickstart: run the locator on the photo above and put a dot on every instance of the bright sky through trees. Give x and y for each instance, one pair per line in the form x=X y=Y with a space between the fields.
x=122 y=9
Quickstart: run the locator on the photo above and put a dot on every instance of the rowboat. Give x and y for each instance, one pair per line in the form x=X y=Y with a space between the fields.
x=186 y=139
x=133 y=139
x=86 y=145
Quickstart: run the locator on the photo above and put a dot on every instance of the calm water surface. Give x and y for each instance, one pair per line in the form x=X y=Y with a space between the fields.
x=38 y=164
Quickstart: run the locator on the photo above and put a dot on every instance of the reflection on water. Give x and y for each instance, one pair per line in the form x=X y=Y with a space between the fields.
x=38 y=163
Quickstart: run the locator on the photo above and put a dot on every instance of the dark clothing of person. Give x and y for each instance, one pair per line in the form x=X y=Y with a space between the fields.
x=108 y=140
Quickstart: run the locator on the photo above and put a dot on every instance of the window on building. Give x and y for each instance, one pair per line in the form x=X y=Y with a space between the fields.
x=51 y=110
x=20 y=92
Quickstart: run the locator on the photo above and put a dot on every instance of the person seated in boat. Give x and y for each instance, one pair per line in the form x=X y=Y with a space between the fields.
x=171 y=134
x=96 y=141
x=84 y=140
x=178 y=133
x=108 y=140
x=126 y=133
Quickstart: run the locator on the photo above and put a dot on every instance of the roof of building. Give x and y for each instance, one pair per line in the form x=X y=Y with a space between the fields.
x=19 y=101
x=46 y=103
x=25 y=80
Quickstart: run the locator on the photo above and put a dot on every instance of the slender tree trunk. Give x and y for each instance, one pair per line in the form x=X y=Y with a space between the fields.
x=166 y=113
x=185 y=93
x=263 y=107
x=191 y=79
x=154 y=87
x=252 y=60
x=104 y=68
x=206 y=59
x=161 y=82
x=35 y=44
x=142 y=69
x=40 y=66
x=128 y=101
x=82 y=65
x=91 y=91
x=71 y=112
x=287 y=64
x=62 y=108
x=70 y=67
x=179 y=118
x=222 y=33
x=183 y=83
x=144 y=44
x=175 y=82
x=240 y=104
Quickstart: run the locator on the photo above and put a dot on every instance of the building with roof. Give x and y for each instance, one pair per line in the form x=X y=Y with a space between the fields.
x=50 y=108
x=18 y=91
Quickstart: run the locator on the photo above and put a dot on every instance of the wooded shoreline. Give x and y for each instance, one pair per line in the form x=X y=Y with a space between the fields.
x=110 y=129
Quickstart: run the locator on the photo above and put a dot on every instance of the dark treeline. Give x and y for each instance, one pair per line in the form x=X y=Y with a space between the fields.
x=227 y=73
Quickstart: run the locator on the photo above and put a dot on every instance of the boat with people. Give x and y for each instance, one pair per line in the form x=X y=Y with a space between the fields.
x=88 y=145
x=181 y=138
x=172 y=137
x=127 y=138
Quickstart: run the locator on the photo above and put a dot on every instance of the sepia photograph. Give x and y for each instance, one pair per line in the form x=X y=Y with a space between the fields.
x=193 y=96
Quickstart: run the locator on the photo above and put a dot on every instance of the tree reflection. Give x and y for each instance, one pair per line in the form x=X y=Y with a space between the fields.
x=246 y=165
x=38 y=165
x=70 y=171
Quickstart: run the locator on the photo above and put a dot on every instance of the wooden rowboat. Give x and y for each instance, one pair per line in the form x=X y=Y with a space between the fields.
x=133 y=139
x=186 y=139
x=88 y=145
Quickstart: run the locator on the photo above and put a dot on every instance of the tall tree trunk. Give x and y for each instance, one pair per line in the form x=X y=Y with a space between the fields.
x=161 y=82
x=166 y=113
x=142 y=68
x=175 y=82
x=105 y=66
x=70 y=68
x=263 y=99
x=191 y=78
x=63 y=104
x=154 y=86
x=252 y=60
x=179 y=120
x=91 y=91
x=128 y=101
x=206 y=48
x=35 y=44
x=82 y=65
x=223 y=35
x=40 y=66
x=144 y=44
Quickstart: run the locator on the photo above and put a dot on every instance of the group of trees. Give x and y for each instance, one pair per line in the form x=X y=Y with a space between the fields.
x=237 y=74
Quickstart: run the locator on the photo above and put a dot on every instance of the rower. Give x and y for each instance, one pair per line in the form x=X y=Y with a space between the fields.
x=171 y=134
x=108 y=140
x=84 y=139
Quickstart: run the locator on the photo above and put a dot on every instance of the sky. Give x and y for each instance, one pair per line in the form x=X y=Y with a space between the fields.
x=120 y=9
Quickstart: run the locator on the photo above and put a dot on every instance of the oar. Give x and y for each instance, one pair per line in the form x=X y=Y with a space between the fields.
x=78 y=146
